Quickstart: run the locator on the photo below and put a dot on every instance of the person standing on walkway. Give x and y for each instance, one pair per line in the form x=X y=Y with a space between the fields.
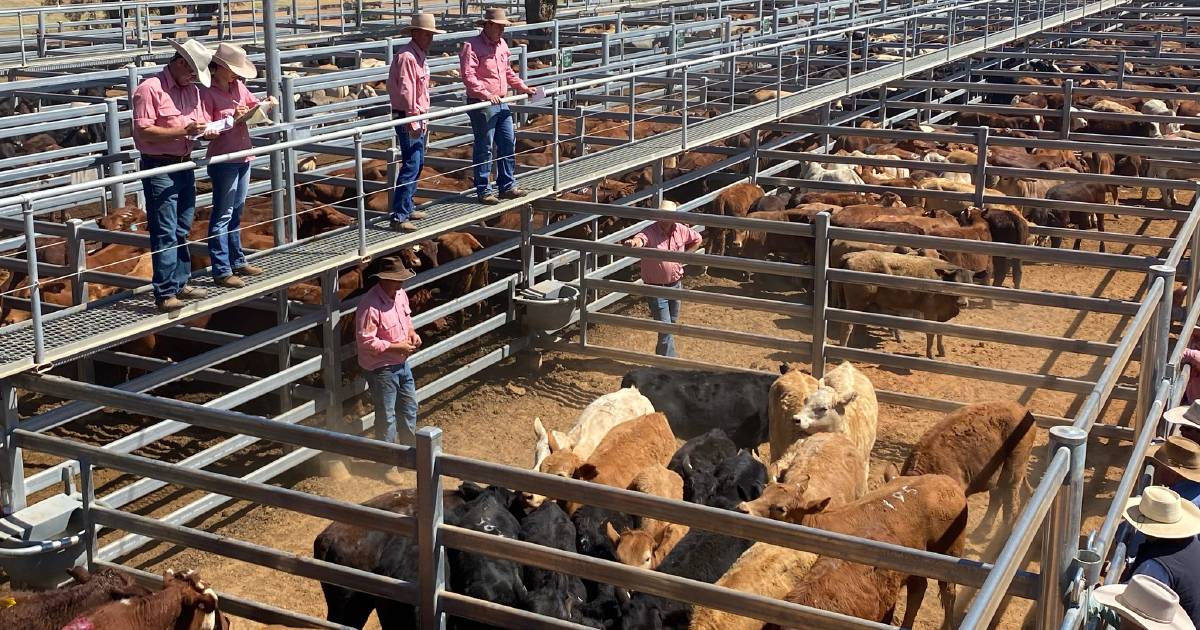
x=408 y=89
x=228 y=99
x=385 y=338
x=488 y=75
x=167 y=116
x=670 y=236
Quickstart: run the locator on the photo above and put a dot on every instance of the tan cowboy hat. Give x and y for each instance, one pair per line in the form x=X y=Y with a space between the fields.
x=393 y=268
x=495 y=15
x=1180 y=455
x=1189 y=415
x=421 y=22
x=669 y=205
x=198 y=57
x=1161 y=513
x=234 y=58
x=1146 y=602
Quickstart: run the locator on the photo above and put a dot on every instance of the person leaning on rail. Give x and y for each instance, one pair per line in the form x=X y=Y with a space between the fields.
x=670 y=236
x=167 y=116
x=228 y=101
x=1170 y=552
x=488 y=74
x=408 y=90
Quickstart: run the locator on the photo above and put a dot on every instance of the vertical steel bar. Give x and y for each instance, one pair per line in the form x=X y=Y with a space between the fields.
x=754 y=150
x=331 y=363
x=1061 y=533
x=1064 y=123
x=431 y=565
x=393 y=172
x=112 y=129
x=820 y=293
x=632 y=107
x=21 y=36
x=981 y=143
x=361 y=197
x=1120 y=69
x=35 y=287
x=583 y=299
x=1193 y=268
x=557 y=148
x=87 y=489
x=77 y=261
x=683 y=109
x=733 y=83
x=657 y=181
x=274 y=88
x=527 y=246
x=41 y=34
x=778 y=80
x=12 y=466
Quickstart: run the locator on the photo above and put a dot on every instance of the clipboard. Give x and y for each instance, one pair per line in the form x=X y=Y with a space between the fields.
x=256 y=115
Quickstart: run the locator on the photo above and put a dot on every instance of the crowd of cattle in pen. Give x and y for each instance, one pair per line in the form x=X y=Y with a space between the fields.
x=681 y=435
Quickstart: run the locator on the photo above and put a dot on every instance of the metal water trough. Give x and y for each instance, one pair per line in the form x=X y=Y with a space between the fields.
x=549 y=305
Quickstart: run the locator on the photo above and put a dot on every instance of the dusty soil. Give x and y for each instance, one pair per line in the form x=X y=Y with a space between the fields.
x=490 y=418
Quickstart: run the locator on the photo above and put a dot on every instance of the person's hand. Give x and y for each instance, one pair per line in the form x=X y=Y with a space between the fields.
x=193 y=129
x=632 y=242
x=415 y=340
x=494 y=100
x=403 y=346
x=271 y=102
x=240 y=111
x=530 y=90
x=415 y=134
x=211 y=135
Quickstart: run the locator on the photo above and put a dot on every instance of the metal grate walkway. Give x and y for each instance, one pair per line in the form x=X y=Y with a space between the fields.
x=78 y=333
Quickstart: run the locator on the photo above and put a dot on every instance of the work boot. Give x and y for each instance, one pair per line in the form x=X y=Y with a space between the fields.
x=191 y=293
x=489 y=199
x=168 y=305
x=232 y=282
x=248 y=270
x=402 y=226
x=513 y=193
x=417 y=215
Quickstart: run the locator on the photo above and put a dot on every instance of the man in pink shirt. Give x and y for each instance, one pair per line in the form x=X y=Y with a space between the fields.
x=484 y=62
x=167 y=115
x=408 y=90
x=385 y=338
x=673 y=237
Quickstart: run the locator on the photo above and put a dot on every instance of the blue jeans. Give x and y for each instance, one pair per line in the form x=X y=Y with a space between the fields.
x=493 y=123
x=230 y=182
x=413 y=158
x=666 y=311
x=394 y=393
x=170 y=207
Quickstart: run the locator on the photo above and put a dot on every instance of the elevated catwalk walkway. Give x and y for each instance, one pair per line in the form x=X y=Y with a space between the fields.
x=77 y=333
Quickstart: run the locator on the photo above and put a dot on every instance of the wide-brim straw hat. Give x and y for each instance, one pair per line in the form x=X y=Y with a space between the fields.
x=1179 y=454
x=234 y=57
x=422 y=22
x=1161 y=513
x=1146 y=602
x=1189 y=415
x=198 y=57
x=494 y=15
x=393 y=268
x=667 y=204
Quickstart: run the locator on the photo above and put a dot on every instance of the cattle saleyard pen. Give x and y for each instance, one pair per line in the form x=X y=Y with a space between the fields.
x=167 y=420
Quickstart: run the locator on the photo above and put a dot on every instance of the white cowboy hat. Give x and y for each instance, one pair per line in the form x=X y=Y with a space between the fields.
x=1161 y=513
x=1146 y=602
x=421 y=22
x=234 y=57
x=198 y=57
x=1189 y=415
x=669 y=205
x=1179 y=454
x=494 y=15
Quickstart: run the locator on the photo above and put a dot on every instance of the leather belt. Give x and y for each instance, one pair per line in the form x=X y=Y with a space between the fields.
x=167 y=158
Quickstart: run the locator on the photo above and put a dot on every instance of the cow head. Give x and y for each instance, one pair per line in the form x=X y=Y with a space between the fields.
x=634 y=548
x=197 y=599
x=559 y=459
x=824 y=411
x=951 y=273
x=785 y=502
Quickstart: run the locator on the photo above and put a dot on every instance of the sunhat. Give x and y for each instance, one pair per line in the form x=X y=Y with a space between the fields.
x=667 y=204
x=1180 y=455
x=1189 y=415
x=234 y=58
x=495 y=15
x=422 y=22
x=1161 y=513
x=198 y=56
x=1147 y=602
x=393 y=268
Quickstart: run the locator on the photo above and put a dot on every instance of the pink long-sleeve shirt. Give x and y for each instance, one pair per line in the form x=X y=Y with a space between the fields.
x=219 y=103
x=381 y=320
x=1192 y=391
x=408 y=83
x=161 y=102
x=486 y=68
x=676 y=238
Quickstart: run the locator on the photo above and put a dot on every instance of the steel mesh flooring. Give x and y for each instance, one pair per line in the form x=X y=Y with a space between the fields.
x=95 y=328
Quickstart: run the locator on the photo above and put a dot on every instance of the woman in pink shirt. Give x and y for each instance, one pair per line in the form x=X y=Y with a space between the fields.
x=228 y=99
x=673 y=237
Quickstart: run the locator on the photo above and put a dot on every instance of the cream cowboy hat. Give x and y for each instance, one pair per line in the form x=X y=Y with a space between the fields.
x=668 y=205
x=197 y=56
x=234 y=58
x=1180 y=455
x=1161 y=513
x=1189 y=415
x=421 y=22
x=494 y=15
x=1147 y=602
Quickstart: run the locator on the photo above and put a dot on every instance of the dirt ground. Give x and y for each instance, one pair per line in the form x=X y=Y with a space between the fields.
x=490 y=418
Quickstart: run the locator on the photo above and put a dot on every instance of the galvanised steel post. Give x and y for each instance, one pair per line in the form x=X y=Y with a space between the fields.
x=684 y=111
x=1193 y=267
x=778 y=79
x=754 y=145
x=87 y=489
x=605 y=56
x=431 y=555
x=1064 y=123
x=820 y=325
x=657 y=179
x=733 y=83
x=632 y=107
x=1060 y=540
x=361 y=198
x=1162 y=322
x=331 y=364
x=35 y=286
x=77 y=261
x=41 y=34
x=950 y=32
x=1120 y=69
x=112 y=129
x=1155 y=340
x=12 y=467
x=131 y=78
x=120 y=25
x=557 y=148
x=274 y=88
x=981 y=142
x=393 y=172
x=527 y=245
x=582 y=305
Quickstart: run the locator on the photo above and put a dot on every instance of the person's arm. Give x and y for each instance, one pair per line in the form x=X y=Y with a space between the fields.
x=367 y=325
x=145 y=115
x=410 y=83
x=513 y=79
x=694 y=240
x=637 y=240
x=1191 y=356
x=467 y=61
